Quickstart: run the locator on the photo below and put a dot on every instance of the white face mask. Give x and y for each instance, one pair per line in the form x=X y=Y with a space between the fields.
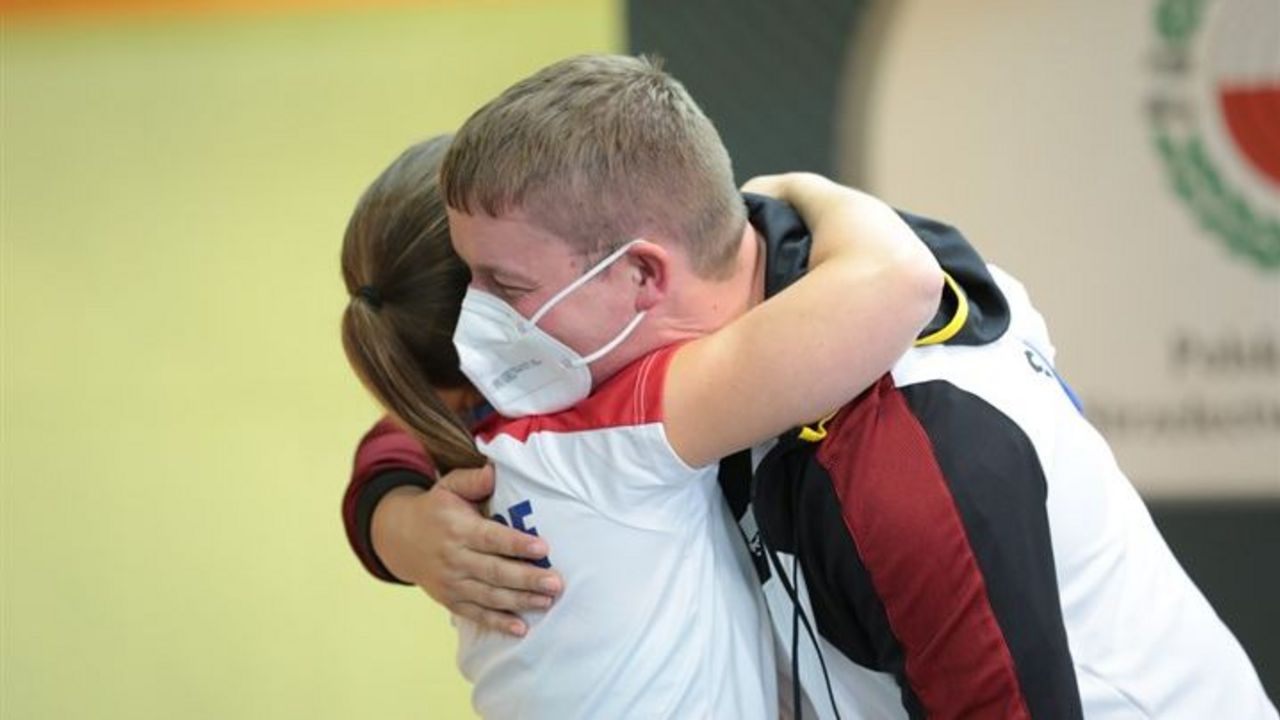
x=516 y=365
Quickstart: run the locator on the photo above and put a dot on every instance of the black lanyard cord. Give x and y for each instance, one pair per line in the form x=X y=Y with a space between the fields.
x=799 y=618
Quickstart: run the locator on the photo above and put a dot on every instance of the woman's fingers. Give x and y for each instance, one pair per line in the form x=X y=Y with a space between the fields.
x=471 y=484
x=494 y=538
x=490 y=619
x=770 y=185
x=491 y=597
x=478 y=568
x=510 y=574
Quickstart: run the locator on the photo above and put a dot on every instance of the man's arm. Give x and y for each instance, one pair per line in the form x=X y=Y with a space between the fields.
x=406 y=528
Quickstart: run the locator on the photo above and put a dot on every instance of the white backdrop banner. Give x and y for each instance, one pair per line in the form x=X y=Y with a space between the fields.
x=1123 y=160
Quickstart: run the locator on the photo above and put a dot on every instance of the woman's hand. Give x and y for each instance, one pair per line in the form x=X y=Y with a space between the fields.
x=772 y=185
x=477 y=568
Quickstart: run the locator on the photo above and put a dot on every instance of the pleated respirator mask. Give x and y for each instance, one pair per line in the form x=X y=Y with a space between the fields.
x=516 y=365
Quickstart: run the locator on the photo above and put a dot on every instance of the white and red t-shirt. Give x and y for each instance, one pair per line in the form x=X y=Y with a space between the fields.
x=661 y=615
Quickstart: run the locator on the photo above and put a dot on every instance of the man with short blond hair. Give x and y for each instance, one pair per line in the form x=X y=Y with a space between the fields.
x=599 y=149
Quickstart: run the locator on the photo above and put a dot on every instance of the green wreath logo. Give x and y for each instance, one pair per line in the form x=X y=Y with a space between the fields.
x=1221 y=208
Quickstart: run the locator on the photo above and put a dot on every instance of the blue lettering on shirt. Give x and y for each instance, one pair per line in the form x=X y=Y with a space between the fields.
x=1044 y=368
x=518 y=513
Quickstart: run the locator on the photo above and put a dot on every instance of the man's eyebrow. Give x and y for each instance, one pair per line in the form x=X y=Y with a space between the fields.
x=504 y=273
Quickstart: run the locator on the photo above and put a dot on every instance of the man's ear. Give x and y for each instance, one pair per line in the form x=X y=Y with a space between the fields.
x=650 y=264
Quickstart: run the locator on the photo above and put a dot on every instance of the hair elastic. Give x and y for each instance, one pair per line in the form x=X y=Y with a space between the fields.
x=370 y=295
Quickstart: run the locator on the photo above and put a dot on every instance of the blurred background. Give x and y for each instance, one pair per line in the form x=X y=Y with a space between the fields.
x=176 y=416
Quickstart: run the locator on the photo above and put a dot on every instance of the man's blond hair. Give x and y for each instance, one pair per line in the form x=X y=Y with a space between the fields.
x=599 y=149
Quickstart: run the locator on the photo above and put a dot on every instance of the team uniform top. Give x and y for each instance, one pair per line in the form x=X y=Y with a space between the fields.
x=962 y=542
x=661 y=615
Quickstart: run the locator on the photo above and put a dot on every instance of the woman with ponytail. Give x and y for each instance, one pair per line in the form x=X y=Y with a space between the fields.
x=406 y=286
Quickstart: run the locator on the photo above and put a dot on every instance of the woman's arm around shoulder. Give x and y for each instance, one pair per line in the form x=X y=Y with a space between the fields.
x=871 y=286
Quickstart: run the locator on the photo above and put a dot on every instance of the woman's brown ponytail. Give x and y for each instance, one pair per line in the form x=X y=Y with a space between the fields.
x=406 y=287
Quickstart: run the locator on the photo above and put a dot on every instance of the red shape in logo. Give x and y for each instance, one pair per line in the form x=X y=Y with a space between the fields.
x=1252 y=115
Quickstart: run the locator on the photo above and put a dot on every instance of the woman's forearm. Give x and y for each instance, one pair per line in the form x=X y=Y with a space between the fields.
x=871 y=286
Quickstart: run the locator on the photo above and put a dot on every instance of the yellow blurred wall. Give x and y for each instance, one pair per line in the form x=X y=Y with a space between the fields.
x=177 y=417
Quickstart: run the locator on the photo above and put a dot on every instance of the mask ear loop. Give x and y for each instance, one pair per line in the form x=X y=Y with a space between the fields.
x=586 y=278
x=626 y=331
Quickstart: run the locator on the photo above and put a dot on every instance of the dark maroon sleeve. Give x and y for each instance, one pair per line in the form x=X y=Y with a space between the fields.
x=944 y=499
x=387 y=458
